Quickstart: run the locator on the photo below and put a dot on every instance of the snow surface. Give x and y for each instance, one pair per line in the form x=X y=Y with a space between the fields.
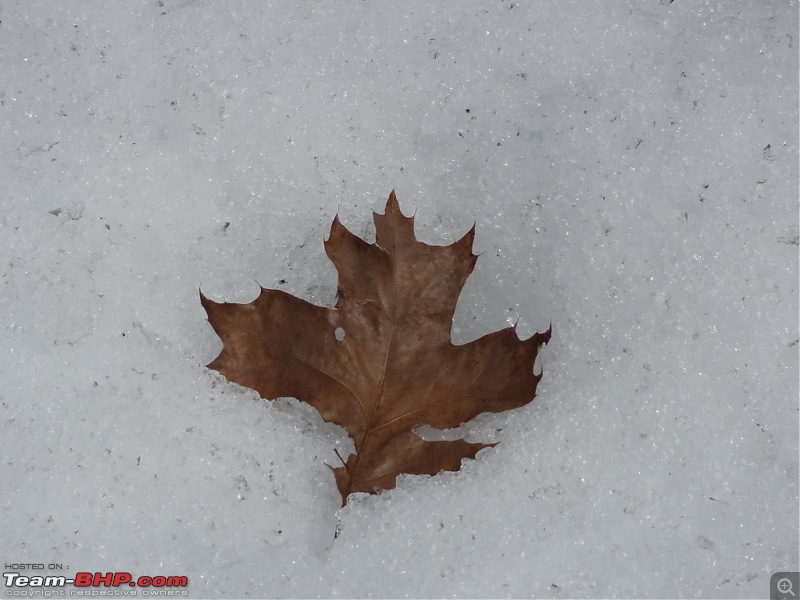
x=632 y=168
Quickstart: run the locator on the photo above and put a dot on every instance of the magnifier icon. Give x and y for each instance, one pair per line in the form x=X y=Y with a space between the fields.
x=784 y=586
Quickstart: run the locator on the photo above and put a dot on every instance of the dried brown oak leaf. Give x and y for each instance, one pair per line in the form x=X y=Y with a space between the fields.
x=381 y=363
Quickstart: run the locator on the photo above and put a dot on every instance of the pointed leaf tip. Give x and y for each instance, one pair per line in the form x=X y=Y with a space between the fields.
x=468 y=239
x=393 y=207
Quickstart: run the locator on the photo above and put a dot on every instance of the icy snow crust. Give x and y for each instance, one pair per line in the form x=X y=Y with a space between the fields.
x=632 y=170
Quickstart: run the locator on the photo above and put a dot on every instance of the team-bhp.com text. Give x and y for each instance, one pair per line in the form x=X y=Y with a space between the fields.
x=90 y=582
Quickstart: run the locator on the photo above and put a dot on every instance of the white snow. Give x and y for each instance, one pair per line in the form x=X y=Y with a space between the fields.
x=632 y=170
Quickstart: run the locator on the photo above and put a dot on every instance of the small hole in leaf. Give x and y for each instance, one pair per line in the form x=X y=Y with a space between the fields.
x=339 y=333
